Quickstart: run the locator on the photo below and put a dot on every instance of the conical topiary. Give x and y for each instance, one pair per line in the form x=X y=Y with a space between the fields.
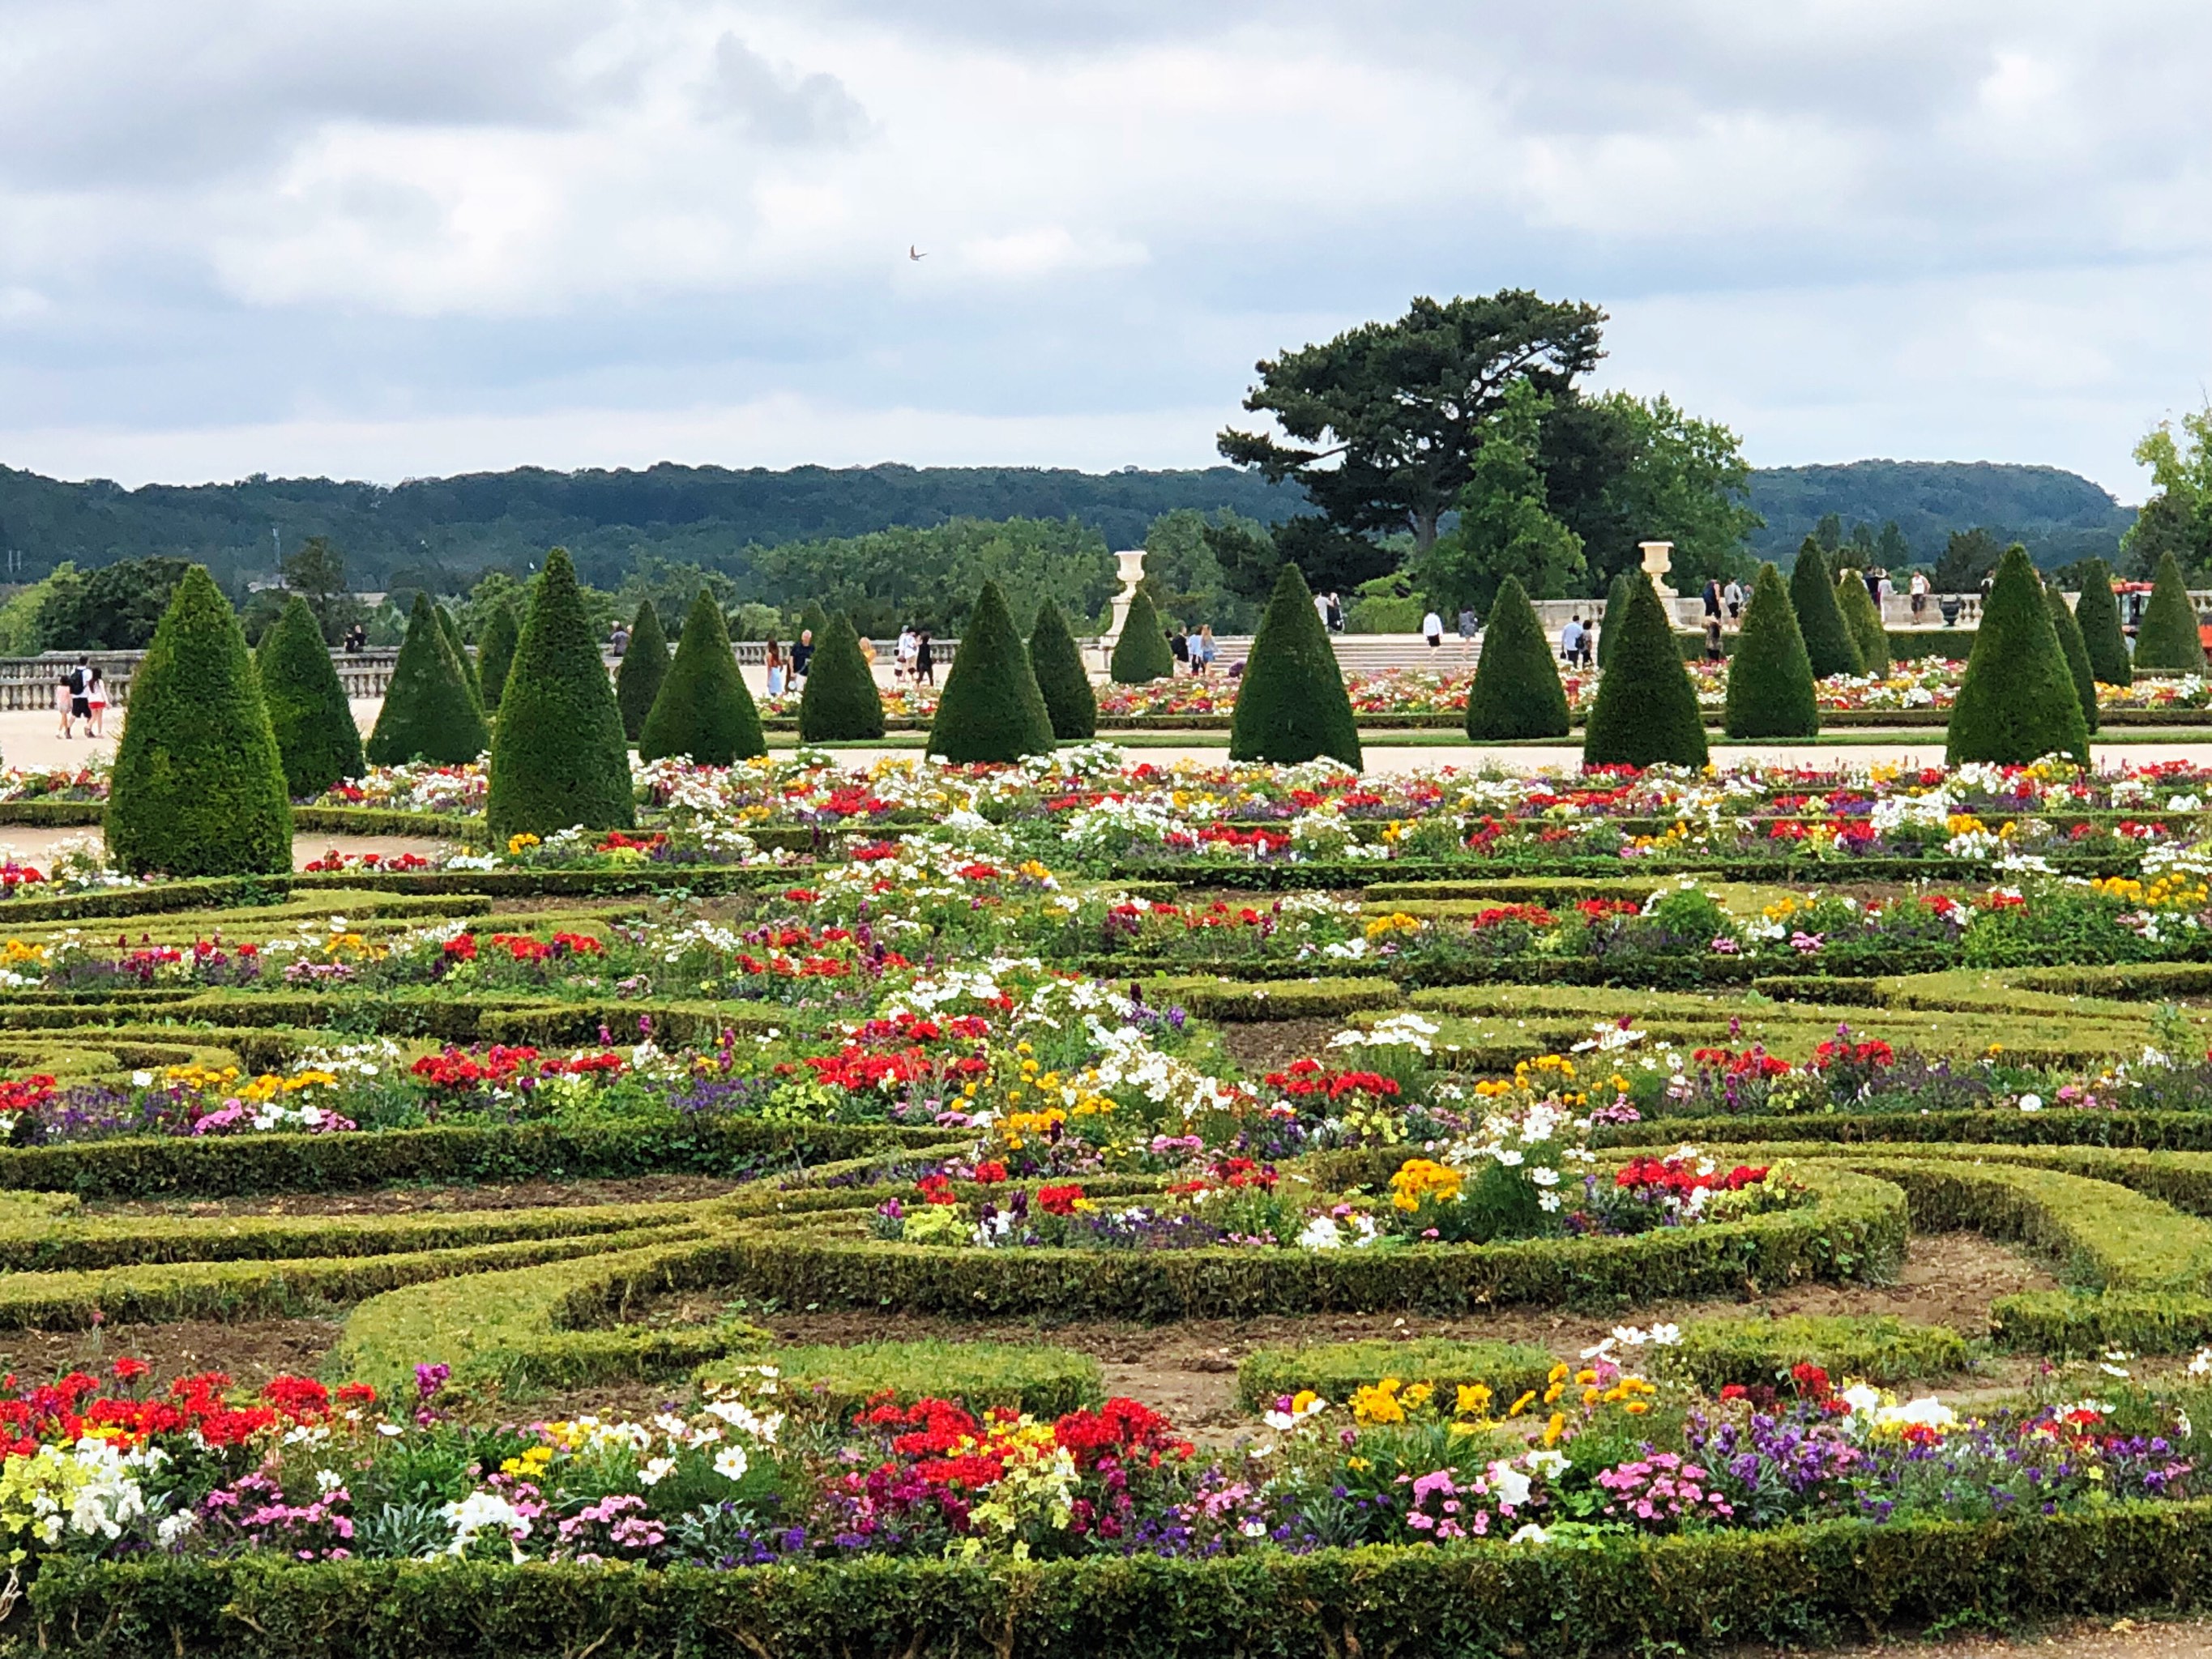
x=1062 y=680
x=428 y=713
x=1516 y=691
x=815 y=620
x=1863 y=617
x=1770 y=677
x=1646 y=712
x=704 y=709
x=307 y=709
x=2077 y=653
x=454 y=643
x=1617 y=596
x=2017 y=702
x=644 y=667
x=495 y=655
x=2098 y=615
x=1828 y=639
x=2168 y=637
x=1292 y=707
x=841 y=703
x=991 y=709
x=197 y=787
x=559 y=758
x=1141 y=654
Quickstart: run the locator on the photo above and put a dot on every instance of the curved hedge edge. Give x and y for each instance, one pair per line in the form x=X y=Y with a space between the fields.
x=2064 y=1325
x=1750 y=1349
x=1980 y=1134
x=1207 y=996
x=830 y=1382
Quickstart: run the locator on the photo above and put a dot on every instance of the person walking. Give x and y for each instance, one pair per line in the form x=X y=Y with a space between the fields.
x=801 y=654
x=95 y=702
x=81 y=703
x=1203 y=651
x=64 y=702
x=1179 y=648
x=1571 y=639
x=1320 y=608
x=1432 y=630
x=1466 y=626
x=775 y=670
x=1733 y=594
x=619 y=640
x=1335 y=617
x=1918 y=588
x=1712 y=597
x=903 y=666
x=925 y=663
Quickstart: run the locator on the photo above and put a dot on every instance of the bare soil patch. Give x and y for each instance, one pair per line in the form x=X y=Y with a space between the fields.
x=251 y=1352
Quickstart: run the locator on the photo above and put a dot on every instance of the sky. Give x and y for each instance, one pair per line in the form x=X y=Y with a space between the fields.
x=378 y=239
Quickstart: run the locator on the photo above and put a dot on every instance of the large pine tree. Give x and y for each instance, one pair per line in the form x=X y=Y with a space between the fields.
x=991 y=709
x=307 y=708
x=559 y=758
x=1292 y=707
x=839 y=703
x=428 y=713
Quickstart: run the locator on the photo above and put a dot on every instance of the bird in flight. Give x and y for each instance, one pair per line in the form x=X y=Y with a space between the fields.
x=913 y=252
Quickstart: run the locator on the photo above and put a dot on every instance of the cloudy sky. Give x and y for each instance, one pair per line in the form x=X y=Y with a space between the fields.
x=379 y=238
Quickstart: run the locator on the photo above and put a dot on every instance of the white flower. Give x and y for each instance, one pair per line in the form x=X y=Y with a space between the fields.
x=1321 y=1234
x=171 y=1528
x=730 y=1463
x=1511 y=1485
x=2031 y=1102
x=481 y=1511
x=1531 y=1533
x=1861 y=1399
x=328 y=1481
x=656 y=1470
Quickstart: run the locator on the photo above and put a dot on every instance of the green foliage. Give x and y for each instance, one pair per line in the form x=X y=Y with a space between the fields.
x=495 y=656
x=198 y=785
x=452 y=630
x=308 y=712
x=1620 y=469
x=2077 y=653
x=2177 y=521
x=1863 y=617
x=428 y=713
x=924 y=575
x=991 y=708
x=839 y=703
x=559 y=757
x=1750 y=1350
x=1292 y=707
x=1617 y=596
x=115 y=607
x=2017 y=702
x=1827 y=637
x=704 y=709
x=1141 y=654
x=833 y=1382
x=1505 y=529
x=1335 y=1371
x=1516 y=691
x=644 y=669
x=1969 y=556
x=1646 y=712
x=2098 y=615
x=1185 y=573
x=1251 y=1001
x=1062 y=678
x=1770 y=682
x=2168 y=637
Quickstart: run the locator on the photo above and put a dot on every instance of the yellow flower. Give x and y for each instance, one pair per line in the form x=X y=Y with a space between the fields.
x=1377 y=1403
x=1555 y=1428
x=1474 y=1400
x=515 y=844
x=1421 y=1179
x=1396 y=922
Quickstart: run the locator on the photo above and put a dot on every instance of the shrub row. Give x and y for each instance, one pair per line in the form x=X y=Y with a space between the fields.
x=1335 y=1371
x=1208 y=996
x=1752 y=1350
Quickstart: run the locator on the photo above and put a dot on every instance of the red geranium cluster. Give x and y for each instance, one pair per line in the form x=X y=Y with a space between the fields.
x=1843 y=1051
x=1678 y=1178
x=1597 y=908
x=1753 y=1061
x=335 y=860
x=63 y=1412
x=1535 y=915
x=26 y=1094
x=14 y=875
x=1059 y=1201
x=1308 y=1077
x=460 y=1070
x=606 y=1065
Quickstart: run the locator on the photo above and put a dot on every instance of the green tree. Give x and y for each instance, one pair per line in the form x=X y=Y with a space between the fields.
x=924 y=575
x=307 y=708
x=2098 y=616
x=1891 y=551
x=1141 y=654
x=1828 y=639
x=2077 y=653
x=114 y=608
x=452 y=630
x=644 y=669
x=1252 y=557
x=559 y=757
x=1620 y=470
x=315 y=571
x=1062 y=680
x=1293 y=706
x=1504 y=527
x=1770 y=678
x=198 y=787
x=495 y=655
x=2017 y=702
x=1616 y=608
x=1968 y=555
x=1384 y=421
x=1184 y=574
x=839 y=703
x=1516 y=691
x=2178 y=518
x=1863 y=617
x=428 y=713
x=704 y=709
x=991 y=709
x=2168 y=637
x=1646 y=712
x=1829 y=533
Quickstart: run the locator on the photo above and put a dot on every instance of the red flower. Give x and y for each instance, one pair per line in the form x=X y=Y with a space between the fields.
x=1058 y=1200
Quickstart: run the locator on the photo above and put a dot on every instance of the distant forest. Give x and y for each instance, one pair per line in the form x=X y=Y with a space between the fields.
x=442 y=532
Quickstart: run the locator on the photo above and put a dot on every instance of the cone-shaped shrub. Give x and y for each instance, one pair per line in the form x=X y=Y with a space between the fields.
x=559 y=758
x=816 y=619
x=1646 y=712
x=1616 y=607
x=644 y=667
x=1516 y=691
x=1062 y=680
x=1292 y=705
x=1770 y=677
x=428 y=713
x=1141 y=654
x=991 y=709
x=704 y=709
x=2168 y=637
x=452 y=630
x=2017 y=702
x=2075 y=652
x=1863 y=617
x=2098 y=615
x=307 y=708
x=1828 y=639
x=198 y=787
x=495 y=655
x=841 y=703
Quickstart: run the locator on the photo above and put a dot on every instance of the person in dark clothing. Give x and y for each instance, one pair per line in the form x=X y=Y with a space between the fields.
x=1712 y=596
x=925 y=660
x=802 y=653
x=357 y=637
x=1179 y=643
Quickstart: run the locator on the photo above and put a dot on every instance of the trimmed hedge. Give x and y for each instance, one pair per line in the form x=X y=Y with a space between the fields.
x=2168 y=637
x=1293 y=706
x=2098 y=615
x=1062 y=680
x=495 y=655
x=839 y=702
x=991 y=709
x=308 y=713
x=1770 y=682
x=458 y=646
x=1616 y=611
x=2017 y=701
x=559 y=757
x=1754 y=1349
x=1864 y=619
x=704 y=709
x=1516 y=691
x=1141 y=652
x=1207 y=996
x=643 y=672
x=429 y=711
x=1646 y=712
x=1828 y=639
x=1335 y=1371
x=832 y=1383
x=2077 y=653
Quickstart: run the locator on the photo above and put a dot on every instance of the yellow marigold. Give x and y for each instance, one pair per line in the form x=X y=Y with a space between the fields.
x=516 y=844
x=1396 y=922
x=1555 y=1428
x=1420 y=1179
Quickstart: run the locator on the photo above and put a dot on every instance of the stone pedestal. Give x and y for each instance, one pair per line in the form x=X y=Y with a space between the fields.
x=1129 y=566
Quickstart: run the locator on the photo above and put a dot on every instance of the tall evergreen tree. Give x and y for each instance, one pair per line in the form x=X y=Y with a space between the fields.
x=1617 y=596
x=991 y=709
x=839 y=703
x=1064 y=683
x=197 y=787
x=1863 y=617
x=1770 y=677
x=2169 y=637
x=2077 y=653
x=1293 y=706
x=308 y=712
x=454 y=643
x=1516 y=691
x=1141 y=654
x=1646 y=712
x=644 y=667
x=2017 y=702
x=495 y=656
x=704 y=709
x=428 y=713
x=1827 y=637
x=559 y=757
x=2097 y=615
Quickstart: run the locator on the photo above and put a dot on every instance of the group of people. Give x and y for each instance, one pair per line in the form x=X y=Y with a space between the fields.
x=1330 y=608
x=915 y=661
x=81 y=694
x=1578 y=643
x=1432 y=628
x=1194 y=652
